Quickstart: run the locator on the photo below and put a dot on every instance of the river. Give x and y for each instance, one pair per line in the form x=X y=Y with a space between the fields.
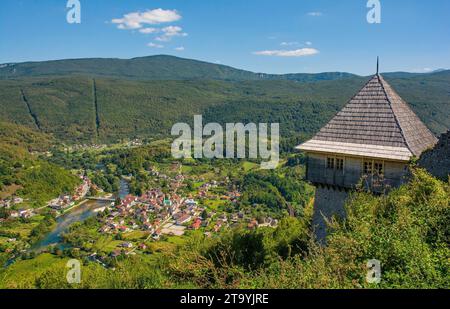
x=78 y=214
x=124 y=188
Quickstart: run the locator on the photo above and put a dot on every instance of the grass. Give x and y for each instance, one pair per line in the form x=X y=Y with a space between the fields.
x=3 y=240
x=177 y=240
x=106 y=243
x=24 y=229
x=23 y=273
x=249 y=166
x=135 y=235
x=198 y=184
x=186 y=169
x=9 y=191
x=214 y=204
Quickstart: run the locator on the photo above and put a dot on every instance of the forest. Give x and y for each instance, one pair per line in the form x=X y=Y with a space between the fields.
x=101 y=101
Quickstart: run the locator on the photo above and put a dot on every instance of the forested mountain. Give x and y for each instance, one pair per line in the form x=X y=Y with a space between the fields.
x=103 y=100
x=161 y=67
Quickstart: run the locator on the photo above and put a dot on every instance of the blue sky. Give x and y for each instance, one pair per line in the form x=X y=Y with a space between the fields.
x=259 y=35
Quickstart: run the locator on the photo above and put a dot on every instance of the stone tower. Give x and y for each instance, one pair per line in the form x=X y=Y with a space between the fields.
x=437 y=160
x=370 y=141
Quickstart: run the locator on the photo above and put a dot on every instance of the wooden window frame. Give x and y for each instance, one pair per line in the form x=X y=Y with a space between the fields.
x=331 y=163
x=377 y=170
x=340 y=163
x=335 y=166
x=373 y=169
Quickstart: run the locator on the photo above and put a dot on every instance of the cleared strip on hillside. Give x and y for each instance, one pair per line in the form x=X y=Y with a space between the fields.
x=30 y=111
x=97 y=118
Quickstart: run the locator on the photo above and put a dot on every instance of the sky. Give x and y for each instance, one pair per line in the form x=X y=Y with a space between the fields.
x=284 y=36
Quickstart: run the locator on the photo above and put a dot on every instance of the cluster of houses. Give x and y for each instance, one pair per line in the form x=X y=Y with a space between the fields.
x=65 y=201
x=135 y=143
x=13 y=202
x=203 y=192
x=85 y=147
x=22 y=213
x=170 y=214
x=266 y=222
x=80 y=147
x=160 y=214
x=60 y=203
x=151 y=212
x=10 y=202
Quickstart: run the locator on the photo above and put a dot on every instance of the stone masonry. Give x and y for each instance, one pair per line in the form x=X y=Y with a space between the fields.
x=328 y=202
x=437 y=160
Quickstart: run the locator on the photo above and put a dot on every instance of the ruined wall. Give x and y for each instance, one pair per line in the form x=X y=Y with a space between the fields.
x=328 y=202
x=437 y=160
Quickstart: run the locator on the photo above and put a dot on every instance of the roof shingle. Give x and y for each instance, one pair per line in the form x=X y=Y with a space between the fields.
x=378 y=116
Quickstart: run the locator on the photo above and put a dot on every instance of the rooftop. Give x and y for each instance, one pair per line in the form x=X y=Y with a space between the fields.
x=375 y=123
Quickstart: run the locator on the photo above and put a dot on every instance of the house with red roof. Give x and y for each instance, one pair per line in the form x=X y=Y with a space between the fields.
x=197 y=223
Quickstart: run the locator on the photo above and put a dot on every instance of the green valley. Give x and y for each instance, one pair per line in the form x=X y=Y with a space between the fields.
x=86 y=173
x=59 y=98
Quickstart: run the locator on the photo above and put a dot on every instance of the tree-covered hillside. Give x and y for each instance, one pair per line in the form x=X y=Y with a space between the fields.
x=23 y=174
x=84 y=109
x=407 y=231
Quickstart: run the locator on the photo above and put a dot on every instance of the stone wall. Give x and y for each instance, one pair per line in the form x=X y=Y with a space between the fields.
x=437 y=160
x=328 y=202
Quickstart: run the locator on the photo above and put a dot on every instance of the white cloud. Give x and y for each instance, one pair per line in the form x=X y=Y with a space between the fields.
x=137 y=20
x=151 y=44
x=315 y=14
x=308 y=43
x=170 y=32
x=289 y=43
x=180 y=48
x=422 y=70
x=149 y=30
x=288 y=53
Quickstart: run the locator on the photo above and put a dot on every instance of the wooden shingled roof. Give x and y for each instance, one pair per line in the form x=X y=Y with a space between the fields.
x=375 y=116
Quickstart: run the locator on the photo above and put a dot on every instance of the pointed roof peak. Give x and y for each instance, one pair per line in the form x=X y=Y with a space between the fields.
x=377 y=116
x=378 y=65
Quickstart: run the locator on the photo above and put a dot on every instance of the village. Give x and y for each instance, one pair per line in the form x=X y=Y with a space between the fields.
x=171 y=214
x=169 y=209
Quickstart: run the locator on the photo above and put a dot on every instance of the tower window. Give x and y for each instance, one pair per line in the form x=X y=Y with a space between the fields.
x=339 y=164
x=378 y=168
x=330 y=163
x=373 y=167
x=368 y=167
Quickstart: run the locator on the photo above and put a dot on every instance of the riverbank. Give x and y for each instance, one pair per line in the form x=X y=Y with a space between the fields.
x=72 y=207
x=80 y=213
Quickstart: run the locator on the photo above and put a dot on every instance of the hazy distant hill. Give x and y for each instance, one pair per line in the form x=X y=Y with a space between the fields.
x=154 y=67
x=106 y=99
x=148 y=68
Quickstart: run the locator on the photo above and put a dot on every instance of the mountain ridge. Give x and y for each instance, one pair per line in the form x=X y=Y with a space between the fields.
x=161 y=67
x=61 y=99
